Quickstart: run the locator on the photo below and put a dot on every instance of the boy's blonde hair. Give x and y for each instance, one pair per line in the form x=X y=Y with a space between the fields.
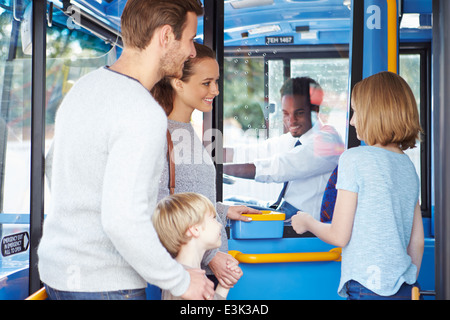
x=175 y=214
x=386 y=111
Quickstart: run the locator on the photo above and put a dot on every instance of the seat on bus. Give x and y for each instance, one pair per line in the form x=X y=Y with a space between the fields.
x=329 y=198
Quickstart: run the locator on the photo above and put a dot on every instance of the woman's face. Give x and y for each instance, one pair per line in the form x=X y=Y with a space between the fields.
x=199 y=91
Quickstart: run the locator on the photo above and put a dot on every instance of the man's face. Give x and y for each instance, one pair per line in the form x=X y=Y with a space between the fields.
x=296 y=114
x=180 y=50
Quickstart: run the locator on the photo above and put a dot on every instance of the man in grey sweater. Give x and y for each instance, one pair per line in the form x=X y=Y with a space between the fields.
x=109 y=146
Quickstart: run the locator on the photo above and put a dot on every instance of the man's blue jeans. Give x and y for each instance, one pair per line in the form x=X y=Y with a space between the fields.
x=357 y=291
x=288 y=209
x=135 y=294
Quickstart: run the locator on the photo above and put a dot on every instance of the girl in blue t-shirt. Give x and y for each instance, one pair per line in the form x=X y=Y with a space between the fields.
x=377 y=219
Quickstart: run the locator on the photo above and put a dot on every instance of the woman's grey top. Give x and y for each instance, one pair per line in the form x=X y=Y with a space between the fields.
x=194 y=172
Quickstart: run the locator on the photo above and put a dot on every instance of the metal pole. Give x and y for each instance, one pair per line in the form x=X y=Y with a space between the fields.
x=441 y=120
x=356 y=61
x=37 y=138
x=213 y=24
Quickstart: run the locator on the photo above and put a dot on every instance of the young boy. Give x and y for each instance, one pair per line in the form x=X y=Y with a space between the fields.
x=186 y=225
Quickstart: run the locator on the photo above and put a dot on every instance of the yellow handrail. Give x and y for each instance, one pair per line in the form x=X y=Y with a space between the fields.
x=41 y=294
x=415 y=293
x=392 y=35
x=332 y=255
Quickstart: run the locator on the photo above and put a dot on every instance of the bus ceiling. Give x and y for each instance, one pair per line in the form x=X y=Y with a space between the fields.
x=260 y=22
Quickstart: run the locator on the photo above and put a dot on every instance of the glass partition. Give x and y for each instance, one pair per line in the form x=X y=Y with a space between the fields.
x=71 y=53
x=410 y=70
x=258 y=60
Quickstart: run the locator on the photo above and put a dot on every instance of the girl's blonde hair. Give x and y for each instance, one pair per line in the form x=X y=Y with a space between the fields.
x=386 y=111
x=175 y=214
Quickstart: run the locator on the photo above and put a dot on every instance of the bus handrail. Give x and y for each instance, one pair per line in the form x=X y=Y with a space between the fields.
x=415 y=293
x=332 y=255
x=392 y=41
x=41 y=294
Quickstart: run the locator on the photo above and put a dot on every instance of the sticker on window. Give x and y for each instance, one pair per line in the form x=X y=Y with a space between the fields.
x=15 y=243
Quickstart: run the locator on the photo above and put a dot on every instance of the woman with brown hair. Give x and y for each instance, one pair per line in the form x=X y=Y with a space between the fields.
x=194 y=168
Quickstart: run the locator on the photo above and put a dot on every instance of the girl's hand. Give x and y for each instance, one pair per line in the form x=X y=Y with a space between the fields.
x=299 y=222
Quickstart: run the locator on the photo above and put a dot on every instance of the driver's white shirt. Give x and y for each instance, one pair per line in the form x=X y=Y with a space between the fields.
x=307 y=166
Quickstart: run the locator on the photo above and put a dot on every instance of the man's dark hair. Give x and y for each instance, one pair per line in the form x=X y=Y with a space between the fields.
x=303 y=86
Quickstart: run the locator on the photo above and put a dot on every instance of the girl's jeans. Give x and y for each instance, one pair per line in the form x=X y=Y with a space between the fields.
x=356 y=291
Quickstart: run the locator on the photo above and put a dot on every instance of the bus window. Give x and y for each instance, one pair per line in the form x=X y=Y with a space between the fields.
x=275 y=81
x=257 y=64
x=244 y=108
x=71 y=53
x=15 y=147
x=410 y=69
